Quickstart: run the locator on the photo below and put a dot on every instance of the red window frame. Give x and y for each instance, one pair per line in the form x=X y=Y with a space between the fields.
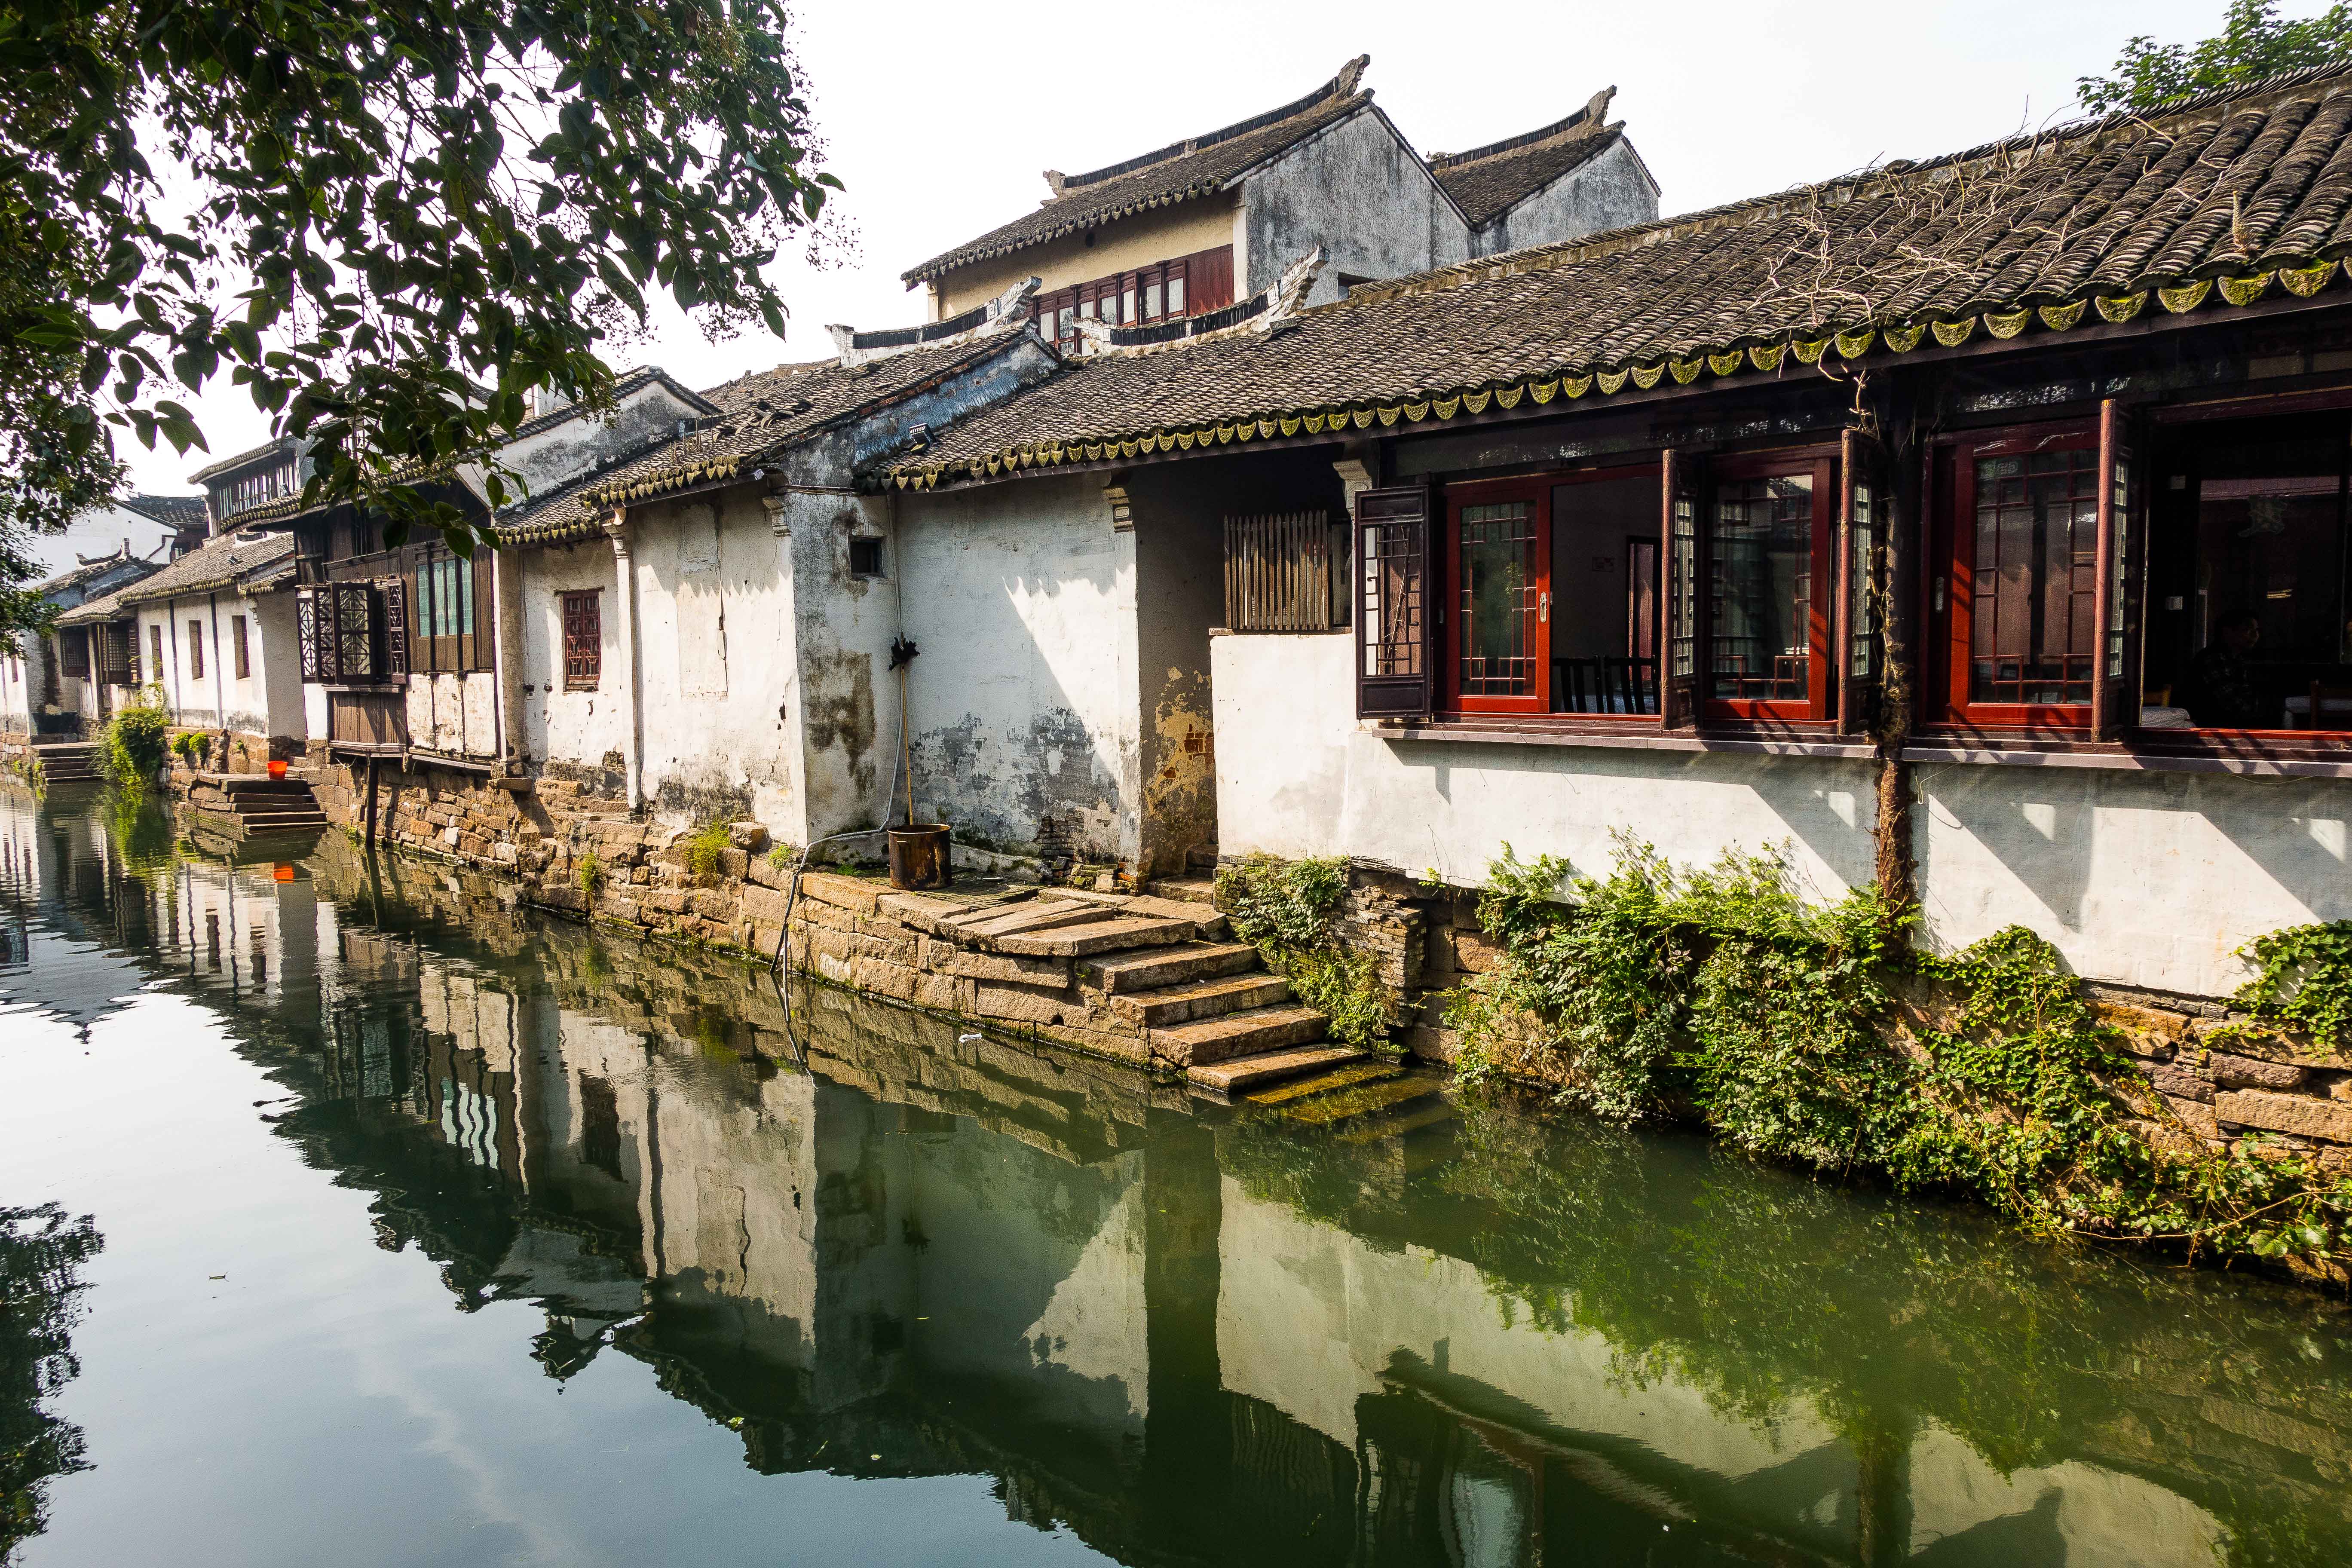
x=1634 y=546
x=1204 y=278
x=584 y=640
x=1535 y=490
x=1822 y=595
x=1949 y=583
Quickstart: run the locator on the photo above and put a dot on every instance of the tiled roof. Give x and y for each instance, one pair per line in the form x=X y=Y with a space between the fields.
x=171 y=511
x=758 y=416
x=1176 y=172
x=250 y=454
x=226 y=561
x=1486 y=182
x=89 y=570
x=2208 y=205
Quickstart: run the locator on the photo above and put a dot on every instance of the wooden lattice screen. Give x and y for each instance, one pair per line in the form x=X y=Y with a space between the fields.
x=1285 y=573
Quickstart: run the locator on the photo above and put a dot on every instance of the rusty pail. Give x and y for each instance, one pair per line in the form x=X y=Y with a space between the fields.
x=918 y=856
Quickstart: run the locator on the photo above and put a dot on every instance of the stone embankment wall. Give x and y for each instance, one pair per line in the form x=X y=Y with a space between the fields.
x=574 y=850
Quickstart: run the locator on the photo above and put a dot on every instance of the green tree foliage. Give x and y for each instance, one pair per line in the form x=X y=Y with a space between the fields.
x=387 y=222
x=41 y=1255
x=2254 y=43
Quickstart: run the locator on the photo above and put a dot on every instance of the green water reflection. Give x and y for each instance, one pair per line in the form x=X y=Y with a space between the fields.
x=1390 y=1325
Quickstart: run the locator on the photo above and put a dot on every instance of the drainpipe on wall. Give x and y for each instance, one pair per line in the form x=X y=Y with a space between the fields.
x=625 y=602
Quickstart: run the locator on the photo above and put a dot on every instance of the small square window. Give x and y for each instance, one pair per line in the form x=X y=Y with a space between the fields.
x=866 y=558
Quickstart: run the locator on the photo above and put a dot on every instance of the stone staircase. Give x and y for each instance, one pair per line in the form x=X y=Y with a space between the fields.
x=241 y=805
x=67 y=761
x=1150 y=978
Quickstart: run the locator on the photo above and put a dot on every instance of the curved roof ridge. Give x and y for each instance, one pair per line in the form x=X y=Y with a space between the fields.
x=1340 y=86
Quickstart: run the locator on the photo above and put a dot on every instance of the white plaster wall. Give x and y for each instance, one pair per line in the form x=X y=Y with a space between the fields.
x=715 y=660
x=559 y=725
x=19 y=668
x=1023 y=702
x=277 y=679
x=2149 y=880
x=1357 y=190
x=267 y=699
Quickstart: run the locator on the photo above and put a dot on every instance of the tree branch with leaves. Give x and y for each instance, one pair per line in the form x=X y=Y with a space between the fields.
x=388 y=222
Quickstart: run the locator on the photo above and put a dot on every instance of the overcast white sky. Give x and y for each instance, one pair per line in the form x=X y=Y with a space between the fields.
x=940 y=117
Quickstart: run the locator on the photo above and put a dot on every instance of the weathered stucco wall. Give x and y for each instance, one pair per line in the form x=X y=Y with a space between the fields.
x=2143 y=879
x=1138 y=241
x=572 y=446
x=1025 y=701
x=1612 y=190
x=583 y=735
x=1363 y=195
x=268 y=701
x=1178 y=510
x=455 y=714
x=714 y=608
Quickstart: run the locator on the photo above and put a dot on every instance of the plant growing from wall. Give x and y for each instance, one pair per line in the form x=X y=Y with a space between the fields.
x=32 y=773
x=132 y=746
x=1290 y=910
x=2302 y=981
x=704 y=849
x=1809 y=1033
x=591 y=872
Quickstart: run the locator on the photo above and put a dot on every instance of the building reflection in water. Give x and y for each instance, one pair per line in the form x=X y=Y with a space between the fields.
x=1391 y=1325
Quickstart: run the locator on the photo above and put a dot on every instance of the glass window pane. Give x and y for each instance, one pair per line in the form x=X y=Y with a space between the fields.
x=1176 y=295
x=1151 y=300
x=1499 y=587
x=2036 y=579
x=1127 y=304
x=1763 y=589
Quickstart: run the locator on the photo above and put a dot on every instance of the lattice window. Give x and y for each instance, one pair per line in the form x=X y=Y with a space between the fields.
x=2035 y=583
x=1283 y=573
x=1501 y=588
x=583 y=641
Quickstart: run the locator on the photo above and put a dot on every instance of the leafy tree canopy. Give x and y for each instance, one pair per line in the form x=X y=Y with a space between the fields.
x=389 y=220
x=2254 y=43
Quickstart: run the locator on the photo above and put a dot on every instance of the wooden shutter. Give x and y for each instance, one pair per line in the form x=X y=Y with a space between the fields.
x=1396 y=642
x=1864 y=491
x=1685 y=639
x=2115 y=693
x=395 y=625
x=483 y=594
x=583 y=641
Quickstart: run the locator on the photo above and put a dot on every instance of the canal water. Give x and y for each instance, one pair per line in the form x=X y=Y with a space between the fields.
x=431 y=1232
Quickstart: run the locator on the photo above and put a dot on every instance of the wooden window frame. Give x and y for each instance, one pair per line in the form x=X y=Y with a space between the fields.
x=155 y=648
x=1536 y=703
x=1655 y=470
x=238 y=649
x=195 y=650
x=1828 y=588
x=1951 y=569
x=584 y=644
x=1127 y=291
x=73 y=653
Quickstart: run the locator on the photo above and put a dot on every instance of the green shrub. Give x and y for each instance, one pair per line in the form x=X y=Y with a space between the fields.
x=592 y=875
x=1812 y=1034
x=32 y=771
x=704 y=848
x=1289 y=909
x=133 y=745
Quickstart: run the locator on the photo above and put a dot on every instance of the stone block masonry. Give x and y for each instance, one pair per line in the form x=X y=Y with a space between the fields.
x=1059 y=966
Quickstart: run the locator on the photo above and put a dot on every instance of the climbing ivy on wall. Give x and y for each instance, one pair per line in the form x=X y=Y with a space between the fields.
x=1814 y=1033
x=1290 y=910
x=2302 y=981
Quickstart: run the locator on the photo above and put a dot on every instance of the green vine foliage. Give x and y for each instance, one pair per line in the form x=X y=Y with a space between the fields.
x=2302 y=981
x=1290 y=910
x=1812 y=1032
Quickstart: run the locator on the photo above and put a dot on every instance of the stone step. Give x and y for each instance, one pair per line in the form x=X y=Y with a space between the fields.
x=1100 y=936
x=983 y=926
x=1208 y=921
x=1198 y=999
x=1245 y=1033
x=282 y=818
x=1127 y=971
x=1185 y=890
x=1243 y=1073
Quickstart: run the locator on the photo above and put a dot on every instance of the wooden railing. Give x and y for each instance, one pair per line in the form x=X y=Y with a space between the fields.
x=1285 y=571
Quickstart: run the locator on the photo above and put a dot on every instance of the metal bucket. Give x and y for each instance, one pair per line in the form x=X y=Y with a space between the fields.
x=918 y=856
